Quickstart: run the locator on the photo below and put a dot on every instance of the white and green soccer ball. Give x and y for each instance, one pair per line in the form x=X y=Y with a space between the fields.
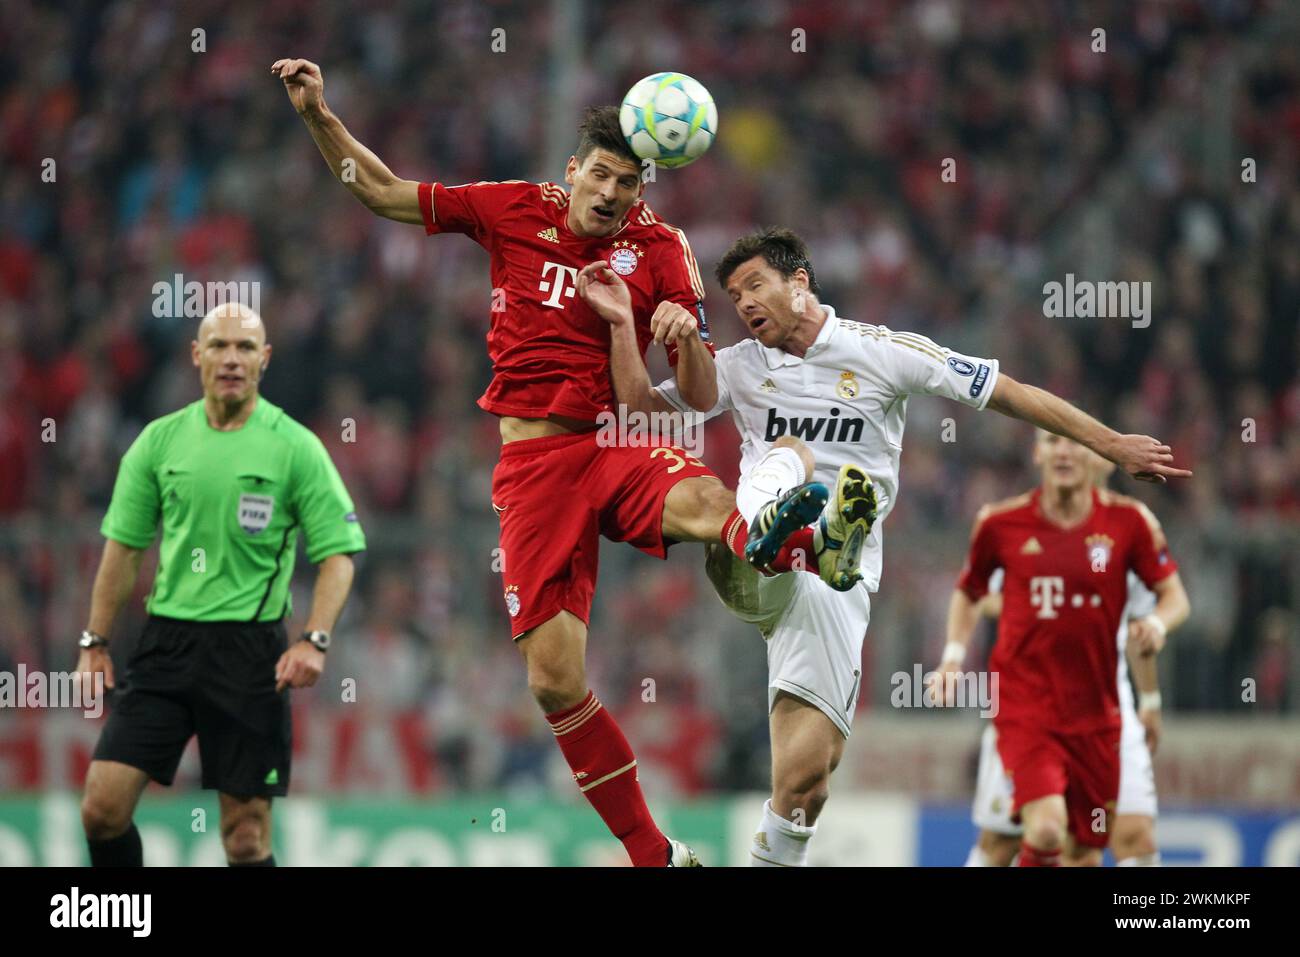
x=669 y=118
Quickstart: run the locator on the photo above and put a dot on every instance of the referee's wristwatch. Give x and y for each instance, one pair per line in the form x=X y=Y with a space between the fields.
x=91 y=640
x=320 y=639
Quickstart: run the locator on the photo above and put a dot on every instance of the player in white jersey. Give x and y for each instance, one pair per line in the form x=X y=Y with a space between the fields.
x=816 y=396
x=1132 y=839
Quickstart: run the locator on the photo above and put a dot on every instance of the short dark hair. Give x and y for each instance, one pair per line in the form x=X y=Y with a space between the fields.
x=600 y=129
x=781 y=248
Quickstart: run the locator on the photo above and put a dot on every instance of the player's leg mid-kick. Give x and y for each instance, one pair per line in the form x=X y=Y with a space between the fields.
x=649 y=497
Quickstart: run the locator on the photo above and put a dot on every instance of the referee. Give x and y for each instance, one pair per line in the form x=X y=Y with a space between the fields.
x=232 y=479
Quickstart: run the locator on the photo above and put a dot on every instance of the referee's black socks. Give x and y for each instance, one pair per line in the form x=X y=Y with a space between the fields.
x=125 y=850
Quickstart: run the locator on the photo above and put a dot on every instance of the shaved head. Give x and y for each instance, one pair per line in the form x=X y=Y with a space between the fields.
x=231 y=353
x=229 y=316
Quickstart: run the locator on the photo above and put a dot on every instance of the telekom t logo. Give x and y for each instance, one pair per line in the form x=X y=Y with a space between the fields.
x=1047 y=593
x=565 y=284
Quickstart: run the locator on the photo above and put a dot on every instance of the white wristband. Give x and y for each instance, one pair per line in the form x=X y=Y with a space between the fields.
x=1149 y=701
x=954 y=651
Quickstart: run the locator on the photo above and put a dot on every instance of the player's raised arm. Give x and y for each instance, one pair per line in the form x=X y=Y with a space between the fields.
x=1140 y=456
x=360 y=170
x=696 y=374
x=605 y=292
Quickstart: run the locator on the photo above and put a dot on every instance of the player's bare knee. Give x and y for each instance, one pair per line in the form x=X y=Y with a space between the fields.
x=246 y=838
x=1046 y=834
x=556 y=684
x=801 y=449
x=103 y=817
x=555 y=692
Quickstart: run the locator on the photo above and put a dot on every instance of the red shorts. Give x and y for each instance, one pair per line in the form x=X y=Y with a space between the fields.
x=1082 y=767
x=555 y=496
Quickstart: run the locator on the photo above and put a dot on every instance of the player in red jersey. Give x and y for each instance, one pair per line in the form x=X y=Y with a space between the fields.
x=556 y=489
x=1066 y=549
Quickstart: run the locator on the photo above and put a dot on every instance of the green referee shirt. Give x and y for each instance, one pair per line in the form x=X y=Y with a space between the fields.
x=231 y=504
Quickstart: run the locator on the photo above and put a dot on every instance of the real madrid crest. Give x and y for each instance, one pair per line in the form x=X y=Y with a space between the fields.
x=847 y=387
x=625 y=257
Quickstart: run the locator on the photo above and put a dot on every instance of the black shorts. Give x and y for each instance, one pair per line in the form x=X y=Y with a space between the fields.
x=213 y=679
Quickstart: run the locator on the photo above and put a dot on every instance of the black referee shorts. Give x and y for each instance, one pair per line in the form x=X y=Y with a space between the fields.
x=213 y=679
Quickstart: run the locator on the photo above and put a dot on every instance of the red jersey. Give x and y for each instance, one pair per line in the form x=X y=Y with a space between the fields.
x=549 y=351
x=1063 y=595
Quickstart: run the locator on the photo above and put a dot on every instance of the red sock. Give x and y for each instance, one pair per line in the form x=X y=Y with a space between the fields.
x=605 y=770
x=795 y=554
x=1033 y=857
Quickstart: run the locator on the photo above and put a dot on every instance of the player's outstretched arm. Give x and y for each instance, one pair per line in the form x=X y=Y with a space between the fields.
x=607 y=294
x=360 y=170
x=1140 y=456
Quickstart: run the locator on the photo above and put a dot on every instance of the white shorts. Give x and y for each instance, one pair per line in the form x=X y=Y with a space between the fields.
x=1137 y=776
x=991 y=809
x=814 y=634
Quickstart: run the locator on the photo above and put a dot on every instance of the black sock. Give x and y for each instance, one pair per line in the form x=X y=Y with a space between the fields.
x=269 y=862
x=124 y=850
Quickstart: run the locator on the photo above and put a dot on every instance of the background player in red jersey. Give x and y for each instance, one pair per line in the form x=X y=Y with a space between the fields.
x=1066 y=549
x=1132 y=835
x=556 y=489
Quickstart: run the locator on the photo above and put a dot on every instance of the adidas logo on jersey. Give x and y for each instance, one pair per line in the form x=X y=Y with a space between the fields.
x=550 y=235
x=812 y=429
x=768 y=386
x=1031 y=547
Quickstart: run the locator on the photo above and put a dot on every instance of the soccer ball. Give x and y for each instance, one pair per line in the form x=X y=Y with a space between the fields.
x=669 y=118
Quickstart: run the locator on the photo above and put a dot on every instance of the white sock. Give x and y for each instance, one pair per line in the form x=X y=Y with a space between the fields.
x=977 y=858
x=778 y=842
x=1142 y=860
x=778 y=471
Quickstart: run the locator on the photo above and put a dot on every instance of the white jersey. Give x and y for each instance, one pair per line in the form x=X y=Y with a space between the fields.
x=846 y=398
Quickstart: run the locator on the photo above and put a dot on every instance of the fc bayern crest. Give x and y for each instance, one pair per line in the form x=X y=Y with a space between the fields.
x=512 y=600
x=625 y=257
x=1099 y=549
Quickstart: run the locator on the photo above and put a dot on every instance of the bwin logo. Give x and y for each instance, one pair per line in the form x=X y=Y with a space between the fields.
x=812 y=429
